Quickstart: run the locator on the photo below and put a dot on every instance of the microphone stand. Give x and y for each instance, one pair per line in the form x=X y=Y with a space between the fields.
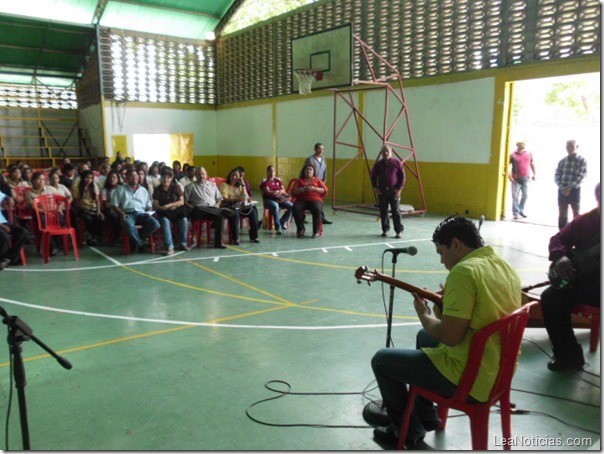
x=377 y=406
x=391 y=303
x=19 y=332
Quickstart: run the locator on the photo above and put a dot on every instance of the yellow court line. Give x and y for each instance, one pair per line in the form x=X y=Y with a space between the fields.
x=200 y=289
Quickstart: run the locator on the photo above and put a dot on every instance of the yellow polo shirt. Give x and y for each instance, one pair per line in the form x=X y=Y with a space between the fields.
x=482 y=288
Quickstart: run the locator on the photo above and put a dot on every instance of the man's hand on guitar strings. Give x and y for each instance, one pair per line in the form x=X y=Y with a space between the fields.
x=421 y=305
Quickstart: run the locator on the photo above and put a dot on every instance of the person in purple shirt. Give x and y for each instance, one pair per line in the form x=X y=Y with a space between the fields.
x=575 y=254
x=388 y=180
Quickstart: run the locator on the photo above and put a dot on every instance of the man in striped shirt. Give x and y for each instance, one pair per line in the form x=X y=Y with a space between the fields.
x=570 y=173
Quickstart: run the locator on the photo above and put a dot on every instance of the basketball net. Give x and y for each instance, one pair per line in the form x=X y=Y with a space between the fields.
x=305 y=79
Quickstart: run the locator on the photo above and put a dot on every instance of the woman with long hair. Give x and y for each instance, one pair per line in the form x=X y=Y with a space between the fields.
x=88 y=207
x=234 y=195
x=276 y=198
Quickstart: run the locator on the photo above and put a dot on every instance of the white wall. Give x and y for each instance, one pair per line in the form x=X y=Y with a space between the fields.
x=137 y=120
x=92 y=121
x=245 y=131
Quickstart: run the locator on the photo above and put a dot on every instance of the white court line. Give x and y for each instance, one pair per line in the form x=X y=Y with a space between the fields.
x=168 y=259
x=325 y=250
x=209 y=325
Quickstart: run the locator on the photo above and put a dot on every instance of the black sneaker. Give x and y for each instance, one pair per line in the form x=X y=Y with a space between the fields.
x=326 y=222
x=389 y=436
x=574 y=363
x=4 y=263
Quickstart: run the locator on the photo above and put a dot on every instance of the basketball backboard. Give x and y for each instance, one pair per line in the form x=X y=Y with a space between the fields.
x=330 y=52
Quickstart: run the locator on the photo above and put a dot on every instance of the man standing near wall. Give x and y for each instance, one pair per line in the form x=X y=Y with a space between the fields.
x=320 y=164
x=388 y=180
x=570 y=173
x=521 y=166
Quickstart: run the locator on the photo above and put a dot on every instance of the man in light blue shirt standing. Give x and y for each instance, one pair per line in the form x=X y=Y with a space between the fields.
x=134 y=204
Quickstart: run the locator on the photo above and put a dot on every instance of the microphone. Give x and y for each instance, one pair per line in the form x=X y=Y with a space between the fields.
x=480 y=222
x=411 y=250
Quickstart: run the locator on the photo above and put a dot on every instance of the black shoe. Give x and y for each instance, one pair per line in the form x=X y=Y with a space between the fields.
x=523 y=215
x=4 y=263
x=389 y=436
x=433 y=424
x=574 y=363
x=325 y=221
x=384 y=234
x=16 y=262
x=256 y=240
x=398 y=235
x=141 y=249
x=220 y=246
x=375 y=414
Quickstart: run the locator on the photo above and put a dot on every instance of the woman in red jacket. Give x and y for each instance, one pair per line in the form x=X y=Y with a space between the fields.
x=309 y=192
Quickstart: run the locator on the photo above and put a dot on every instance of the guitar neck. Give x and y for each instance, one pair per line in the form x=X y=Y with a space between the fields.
x=431 y=296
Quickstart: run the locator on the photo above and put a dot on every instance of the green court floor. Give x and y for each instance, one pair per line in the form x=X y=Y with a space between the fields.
x=168 y=353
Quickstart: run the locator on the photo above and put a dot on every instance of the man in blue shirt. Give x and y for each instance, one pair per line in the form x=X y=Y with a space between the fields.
x=134 y=204
x=12 y=236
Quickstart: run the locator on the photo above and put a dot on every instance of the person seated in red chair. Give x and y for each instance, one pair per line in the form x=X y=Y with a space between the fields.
x=133 y=202
x=480 y=289
x=234 y=192
x=309 y=192
x=12 y=236
x=576 y=281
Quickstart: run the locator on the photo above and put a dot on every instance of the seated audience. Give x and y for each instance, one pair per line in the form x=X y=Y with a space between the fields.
x=234 y=195
x=88 y=207
x=112 y=215
x=309 y=192
x=276 y=198
x=205 y=200
x=134 y=204
x=12 y=236
x=169 y=202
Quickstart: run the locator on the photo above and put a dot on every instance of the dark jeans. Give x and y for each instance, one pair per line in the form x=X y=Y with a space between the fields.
x=234 y=222
x=573 y=199
x=315 y=208
x=149 y=226
x=93 y=222
x=387 y=200
x=11 y=243
x=213 y=214
x=395 y=369
x=557 y=306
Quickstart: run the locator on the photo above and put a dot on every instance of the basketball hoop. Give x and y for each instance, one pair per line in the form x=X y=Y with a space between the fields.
x=305 y=79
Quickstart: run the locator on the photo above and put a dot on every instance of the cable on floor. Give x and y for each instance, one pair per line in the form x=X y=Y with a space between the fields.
x=281 y=393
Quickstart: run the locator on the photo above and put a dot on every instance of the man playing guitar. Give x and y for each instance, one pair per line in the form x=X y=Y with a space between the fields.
x=480 y=288
x=582 y=285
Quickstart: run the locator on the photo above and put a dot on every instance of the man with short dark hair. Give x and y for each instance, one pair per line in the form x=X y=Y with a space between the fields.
x=575 y=255
x=388 y=180
x=480 y=289
x=570 y=173
x=133 y=202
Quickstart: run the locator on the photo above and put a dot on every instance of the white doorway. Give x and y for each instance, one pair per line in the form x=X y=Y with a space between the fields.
x=547 y=113
x=152 y=147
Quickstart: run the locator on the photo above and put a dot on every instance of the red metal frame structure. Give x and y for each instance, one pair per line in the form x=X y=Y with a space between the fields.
x=397 y=94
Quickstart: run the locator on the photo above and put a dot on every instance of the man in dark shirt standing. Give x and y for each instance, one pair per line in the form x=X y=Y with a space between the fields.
x=388 y=180
x=579 y=240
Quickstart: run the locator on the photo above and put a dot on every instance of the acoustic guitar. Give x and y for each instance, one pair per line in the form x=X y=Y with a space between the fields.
x=585 y=262
x=364 y=274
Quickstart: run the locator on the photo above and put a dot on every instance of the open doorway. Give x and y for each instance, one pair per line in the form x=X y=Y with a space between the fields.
x=547 y=113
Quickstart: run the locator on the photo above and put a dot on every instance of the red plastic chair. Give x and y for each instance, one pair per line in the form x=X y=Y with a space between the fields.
x=50 y=209
x=593 y=314
x=510 y=328
x=197 y=228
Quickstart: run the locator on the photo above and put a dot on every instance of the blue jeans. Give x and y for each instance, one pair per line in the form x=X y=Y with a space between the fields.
x=166 y=230
x=273 y=206
x=394 y=369
x=148 y=223
x=519 y=195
